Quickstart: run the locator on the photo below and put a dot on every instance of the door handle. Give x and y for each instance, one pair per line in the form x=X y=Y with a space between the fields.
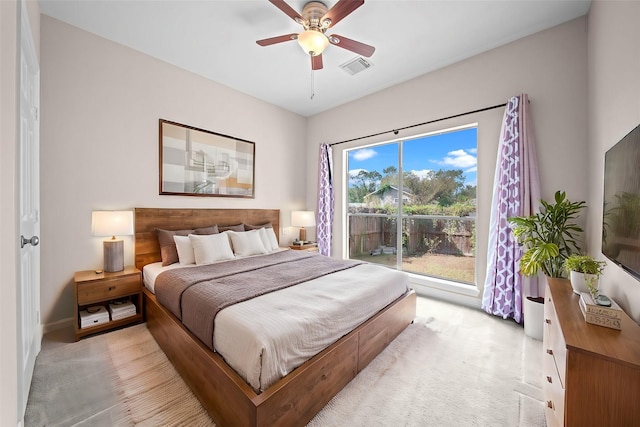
x=34 y=240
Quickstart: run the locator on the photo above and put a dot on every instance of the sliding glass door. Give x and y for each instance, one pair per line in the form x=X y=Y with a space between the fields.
x=423 y=223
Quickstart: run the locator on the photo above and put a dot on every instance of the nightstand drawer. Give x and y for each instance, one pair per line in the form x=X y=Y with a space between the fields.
x=108 y=289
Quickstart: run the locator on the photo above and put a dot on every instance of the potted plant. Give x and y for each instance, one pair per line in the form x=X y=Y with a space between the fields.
x=584 y=272
x=549 y=237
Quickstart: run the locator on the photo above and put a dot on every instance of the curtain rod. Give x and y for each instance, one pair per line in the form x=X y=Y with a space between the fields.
x=395 y=131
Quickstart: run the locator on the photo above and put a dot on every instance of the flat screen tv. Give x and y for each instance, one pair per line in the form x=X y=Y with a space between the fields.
x=621 y=215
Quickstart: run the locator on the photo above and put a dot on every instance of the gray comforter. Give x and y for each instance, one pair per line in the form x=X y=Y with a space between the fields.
x=195 y=295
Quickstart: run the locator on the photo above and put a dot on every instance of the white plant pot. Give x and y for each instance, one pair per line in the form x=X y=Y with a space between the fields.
x=578 y=281
x=533 y=317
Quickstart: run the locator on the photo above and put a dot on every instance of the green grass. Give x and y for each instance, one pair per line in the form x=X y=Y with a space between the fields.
x=451 y=267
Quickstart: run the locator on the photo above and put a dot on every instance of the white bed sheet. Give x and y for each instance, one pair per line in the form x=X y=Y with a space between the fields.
x=151 y=271
x=267 y=337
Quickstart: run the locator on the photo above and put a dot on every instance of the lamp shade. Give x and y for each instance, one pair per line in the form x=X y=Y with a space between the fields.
x=303 y=218
x=112 y=223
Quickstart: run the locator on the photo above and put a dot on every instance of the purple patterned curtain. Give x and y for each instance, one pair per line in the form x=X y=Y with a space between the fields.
x=325 y=200
x=516 y=192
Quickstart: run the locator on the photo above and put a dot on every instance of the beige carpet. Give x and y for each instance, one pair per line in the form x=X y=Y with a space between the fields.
x=453 y=366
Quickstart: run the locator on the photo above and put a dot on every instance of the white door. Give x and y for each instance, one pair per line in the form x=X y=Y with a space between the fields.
x=29 y=331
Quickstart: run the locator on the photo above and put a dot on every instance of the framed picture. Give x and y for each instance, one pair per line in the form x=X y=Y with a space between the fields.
x=198 y=162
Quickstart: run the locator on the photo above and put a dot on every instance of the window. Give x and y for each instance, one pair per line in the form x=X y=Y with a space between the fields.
x=425 y=222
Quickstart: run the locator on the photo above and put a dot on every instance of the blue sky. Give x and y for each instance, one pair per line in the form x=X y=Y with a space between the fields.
x=451 y=150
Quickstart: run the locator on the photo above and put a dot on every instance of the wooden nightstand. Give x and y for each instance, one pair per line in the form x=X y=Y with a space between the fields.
x=92 y=289
x=309 y=247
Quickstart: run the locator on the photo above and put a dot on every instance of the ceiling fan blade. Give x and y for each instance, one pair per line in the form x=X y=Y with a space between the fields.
x=280 y=4
x=352 y=45
x=340 y=10
x=316 y=62
x=278 y=39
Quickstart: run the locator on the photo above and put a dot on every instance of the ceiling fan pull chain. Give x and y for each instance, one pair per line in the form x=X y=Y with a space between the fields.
x=313 y=92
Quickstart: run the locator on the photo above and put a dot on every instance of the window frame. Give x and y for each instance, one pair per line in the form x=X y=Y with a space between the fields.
x=439 y=284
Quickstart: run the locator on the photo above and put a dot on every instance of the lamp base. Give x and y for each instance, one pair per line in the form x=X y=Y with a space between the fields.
x=113 y=255
x=303 y=234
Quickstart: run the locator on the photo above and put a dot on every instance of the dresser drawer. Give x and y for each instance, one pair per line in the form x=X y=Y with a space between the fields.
x=553 y=392
x=102 y=290
x=554 y=343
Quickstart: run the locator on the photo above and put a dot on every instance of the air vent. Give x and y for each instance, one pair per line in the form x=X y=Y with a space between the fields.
x=356 y=65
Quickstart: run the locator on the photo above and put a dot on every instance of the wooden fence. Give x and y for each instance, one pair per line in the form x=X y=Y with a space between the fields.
x=421 y=234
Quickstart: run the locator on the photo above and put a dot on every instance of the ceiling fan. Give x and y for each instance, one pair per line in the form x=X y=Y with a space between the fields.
x=317 y=18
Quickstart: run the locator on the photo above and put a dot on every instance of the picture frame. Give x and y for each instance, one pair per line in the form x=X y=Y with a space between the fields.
x=198 y=162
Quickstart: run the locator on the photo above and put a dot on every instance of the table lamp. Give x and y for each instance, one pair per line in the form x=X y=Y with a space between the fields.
x=303 y=219
x=112 y=223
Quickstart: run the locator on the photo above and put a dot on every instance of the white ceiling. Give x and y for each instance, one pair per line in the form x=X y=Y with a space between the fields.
x=216 y=39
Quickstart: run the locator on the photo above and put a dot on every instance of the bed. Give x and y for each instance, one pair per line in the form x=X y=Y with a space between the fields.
x=227 y=396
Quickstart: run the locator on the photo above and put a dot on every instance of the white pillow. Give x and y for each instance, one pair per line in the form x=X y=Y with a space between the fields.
x=247 y=243
x=185 y=250
x=271 y=235
x=265 y=240
x=268 y=237
x=210 y=248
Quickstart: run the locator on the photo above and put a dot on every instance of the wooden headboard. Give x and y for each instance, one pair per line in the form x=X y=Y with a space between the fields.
x=147 y=220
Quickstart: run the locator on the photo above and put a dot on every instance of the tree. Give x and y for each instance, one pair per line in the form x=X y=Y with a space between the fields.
x=442 y=186
x=390 y=176
x=467 y=193
x=364 y=182
x=449 y=182
x=418 y=187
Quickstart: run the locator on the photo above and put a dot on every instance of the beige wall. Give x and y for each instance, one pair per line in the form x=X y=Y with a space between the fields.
x=550 y=66
x=100 y=108
x=614 y=109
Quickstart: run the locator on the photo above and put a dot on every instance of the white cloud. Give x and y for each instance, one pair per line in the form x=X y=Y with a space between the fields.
x=460 y=159
x=364 y=154
x=354 y=172
x=422 y=174
x=471 y=170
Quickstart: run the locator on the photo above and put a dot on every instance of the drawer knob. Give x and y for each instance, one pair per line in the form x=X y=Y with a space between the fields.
x=549 y=404
x=547 y=321
x=111 y=288
x=549 y=351
x=549 y=380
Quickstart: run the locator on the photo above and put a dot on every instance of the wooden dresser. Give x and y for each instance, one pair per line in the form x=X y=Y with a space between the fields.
x=591 y=373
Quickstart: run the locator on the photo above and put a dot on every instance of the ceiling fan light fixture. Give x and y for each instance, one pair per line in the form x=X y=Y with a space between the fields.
x=313 y=42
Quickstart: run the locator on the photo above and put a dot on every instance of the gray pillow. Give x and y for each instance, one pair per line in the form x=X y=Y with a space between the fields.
x=239 y=227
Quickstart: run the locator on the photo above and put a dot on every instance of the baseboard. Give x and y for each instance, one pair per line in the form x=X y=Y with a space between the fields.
x=467 y=295
x=60 y=324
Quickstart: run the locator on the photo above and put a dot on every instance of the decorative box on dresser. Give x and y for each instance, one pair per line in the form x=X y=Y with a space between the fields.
x=98 y=289
x=591 y=373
